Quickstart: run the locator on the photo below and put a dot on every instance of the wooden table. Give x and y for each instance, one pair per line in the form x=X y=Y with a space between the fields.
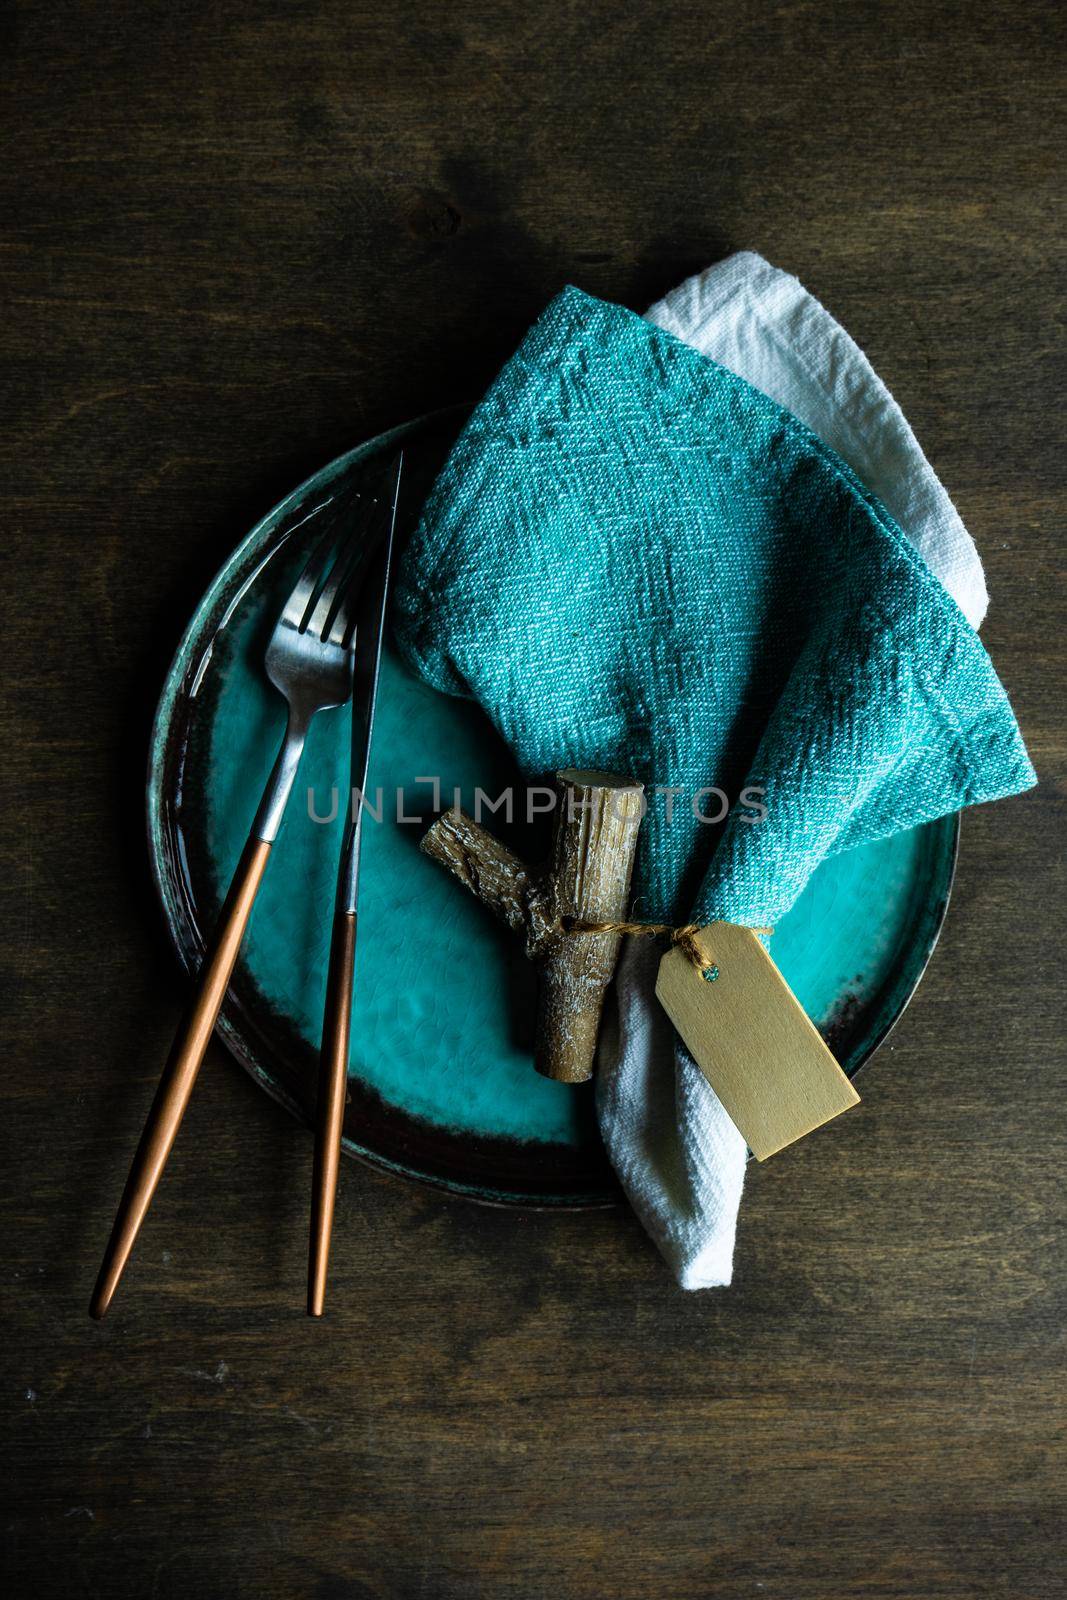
x=237 y=239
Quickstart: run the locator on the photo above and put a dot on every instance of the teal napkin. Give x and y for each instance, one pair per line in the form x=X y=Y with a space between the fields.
x=634 y=560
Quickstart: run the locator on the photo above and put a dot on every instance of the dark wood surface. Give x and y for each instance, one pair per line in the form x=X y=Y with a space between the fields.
x=237 y=238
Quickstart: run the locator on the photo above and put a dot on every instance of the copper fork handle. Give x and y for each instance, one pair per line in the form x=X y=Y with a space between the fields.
x=179 y=1074
x=333 y=1083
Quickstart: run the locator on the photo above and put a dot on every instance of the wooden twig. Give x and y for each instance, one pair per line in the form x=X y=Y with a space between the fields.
x=587 y=879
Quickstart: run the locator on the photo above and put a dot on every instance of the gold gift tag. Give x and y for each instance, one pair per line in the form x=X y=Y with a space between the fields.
x=752 y=1039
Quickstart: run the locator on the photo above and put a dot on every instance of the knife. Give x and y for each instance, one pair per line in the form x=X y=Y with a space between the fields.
x=337 y=1017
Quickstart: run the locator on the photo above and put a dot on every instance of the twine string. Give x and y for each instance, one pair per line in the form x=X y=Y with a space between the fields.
x=685 y=936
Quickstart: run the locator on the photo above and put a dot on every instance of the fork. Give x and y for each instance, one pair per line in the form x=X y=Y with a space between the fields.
x=310 y=662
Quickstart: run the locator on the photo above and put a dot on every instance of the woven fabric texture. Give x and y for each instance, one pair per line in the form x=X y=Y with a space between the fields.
x=635 y=560
x=763 y=324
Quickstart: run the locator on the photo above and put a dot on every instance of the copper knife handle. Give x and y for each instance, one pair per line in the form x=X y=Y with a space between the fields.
x=179 y=1074
x=333 y=1085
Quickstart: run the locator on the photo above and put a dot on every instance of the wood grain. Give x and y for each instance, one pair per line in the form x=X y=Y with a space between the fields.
x=503 y=882
x=596 y=821
x=587 y=880
x=180 y=1072
x=236 y=239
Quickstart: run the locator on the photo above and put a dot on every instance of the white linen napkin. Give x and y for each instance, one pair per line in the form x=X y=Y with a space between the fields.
x=763 y=324
x=679 y=1157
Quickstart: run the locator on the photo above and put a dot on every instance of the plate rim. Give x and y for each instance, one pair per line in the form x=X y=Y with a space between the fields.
x=177 y=918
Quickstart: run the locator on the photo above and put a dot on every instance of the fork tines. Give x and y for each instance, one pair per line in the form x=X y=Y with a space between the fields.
x=317 y=603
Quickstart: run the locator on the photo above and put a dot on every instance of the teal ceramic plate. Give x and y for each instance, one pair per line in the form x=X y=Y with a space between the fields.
x=441 y=1083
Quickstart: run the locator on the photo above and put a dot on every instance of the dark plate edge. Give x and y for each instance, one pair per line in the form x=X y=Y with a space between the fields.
x=175 y=915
